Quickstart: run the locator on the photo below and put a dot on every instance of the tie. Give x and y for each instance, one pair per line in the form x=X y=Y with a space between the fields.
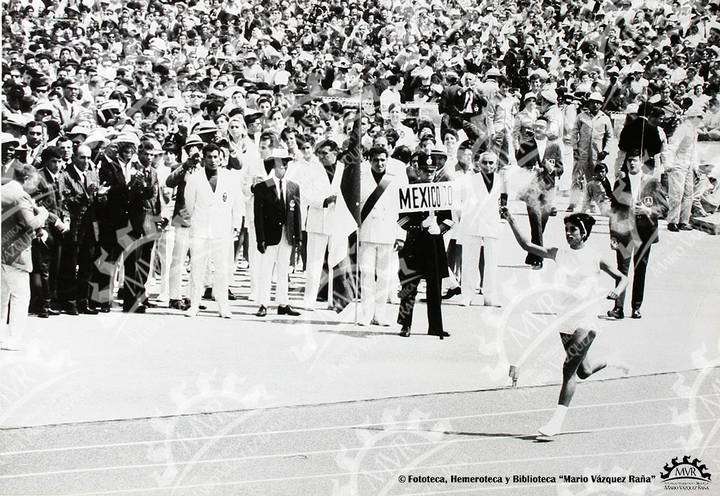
x=282 y=195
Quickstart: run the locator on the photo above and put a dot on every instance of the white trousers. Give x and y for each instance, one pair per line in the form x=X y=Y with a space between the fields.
x=162 y=255
x=375 y=261
x=680 y=192
x=253 y=259
x=217 y=249
x=275 y=257
x=316 y=245
x=181 y=245
x=565 y=181
x=470 y=259
x=15 y=300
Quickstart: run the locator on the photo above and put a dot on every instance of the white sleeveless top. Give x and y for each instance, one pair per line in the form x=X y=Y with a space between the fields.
x=578 y=279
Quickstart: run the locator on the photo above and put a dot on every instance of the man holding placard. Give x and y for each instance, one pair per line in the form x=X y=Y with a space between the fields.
x=423 y=253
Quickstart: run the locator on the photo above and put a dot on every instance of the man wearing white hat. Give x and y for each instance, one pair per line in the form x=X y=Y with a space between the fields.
x=683 y=160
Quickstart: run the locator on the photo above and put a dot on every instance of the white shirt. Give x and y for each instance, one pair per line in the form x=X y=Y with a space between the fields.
x=277 y=186
x=541 y=145
x=635 y=183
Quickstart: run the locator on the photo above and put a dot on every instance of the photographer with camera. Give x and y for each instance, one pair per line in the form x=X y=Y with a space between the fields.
x=181 y=219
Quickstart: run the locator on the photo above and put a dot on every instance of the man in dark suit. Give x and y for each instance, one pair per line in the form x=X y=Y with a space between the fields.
x=278 y=227
x=637 y=203
x=460 y=106
x=144 y=210
x=121 y=220
x=45 y=253
x=422 y=255
x=80 y=192
x=544 y=158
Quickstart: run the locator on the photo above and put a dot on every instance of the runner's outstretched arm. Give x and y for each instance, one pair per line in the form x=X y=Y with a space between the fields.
x=540 y=251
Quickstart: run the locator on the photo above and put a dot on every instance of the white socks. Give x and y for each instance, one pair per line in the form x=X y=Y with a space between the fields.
x=554 y=425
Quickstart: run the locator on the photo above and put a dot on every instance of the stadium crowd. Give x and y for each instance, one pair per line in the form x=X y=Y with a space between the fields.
x=112 y=109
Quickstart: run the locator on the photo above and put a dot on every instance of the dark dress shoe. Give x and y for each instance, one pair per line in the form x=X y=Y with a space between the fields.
x=71 y=309
x=636 y=314
x=104 y=308
x=86 y=310
x=553 y=212
x=685 y=227
x=616 y=313
x=140 y=309
x=571 y=208
x=208 y=294
x=43 y=314
x=673 y=227
x=146 y=303
x=262 y=311
x=287 y=310
x=51 y=311
x=536 y=265
x=451 y=292
x=440 y=334
x=231 y=296
x=178 y=305
x=405 y=332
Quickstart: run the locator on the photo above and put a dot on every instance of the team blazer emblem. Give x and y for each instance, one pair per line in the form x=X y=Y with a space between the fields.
x=292 y=204
x=648 y=201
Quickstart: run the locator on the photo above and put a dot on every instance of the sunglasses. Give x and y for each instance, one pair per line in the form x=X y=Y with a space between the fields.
x=487 y=162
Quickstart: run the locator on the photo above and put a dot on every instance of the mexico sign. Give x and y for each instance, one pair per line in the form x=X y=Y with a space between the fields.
x=426 y=196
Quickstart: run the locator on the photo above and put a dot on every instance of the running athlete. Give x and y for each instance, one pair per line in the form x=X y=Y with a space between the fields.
x=579 y=268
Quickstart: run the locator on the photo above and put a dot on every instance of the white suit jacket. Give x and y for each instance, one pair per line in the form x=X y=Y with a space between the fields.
x=682 y=150
x=214 y=214
x=315 y=186
x=381 y=224
x=252 y=166
x=479 y=208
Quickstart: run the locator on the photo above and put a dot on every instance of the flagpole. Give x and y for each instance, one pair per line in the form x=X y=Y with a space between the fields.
x=356 y=296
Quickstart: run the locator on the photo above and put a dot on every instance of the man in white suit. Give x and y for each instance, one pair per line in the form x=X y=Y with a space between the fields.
x=212 y=200
x=379 y=234
x=321 y=199
x=479 y=228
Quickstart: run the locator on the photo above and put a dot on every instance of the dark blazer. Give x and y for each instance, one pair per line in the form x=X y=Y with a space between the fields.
x=528 y=157
x=79 y=203
x=49 y=195
x=271 y=216
x=143 y=199
x=452 y=101
x=114 y=213
x=630 y=226
x=424 y=252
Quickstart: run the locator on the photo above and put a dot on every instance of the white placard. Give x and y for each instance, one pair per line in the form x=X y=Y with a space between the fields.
x=422 y=197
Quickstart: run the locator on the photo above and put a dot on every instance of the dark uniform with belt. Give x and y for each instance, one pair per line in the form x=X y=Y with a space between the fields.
x=423 y=253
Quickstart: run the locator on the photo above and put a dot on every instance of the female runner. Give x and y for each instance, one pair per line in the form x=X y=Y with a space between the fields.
x=580 y=269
